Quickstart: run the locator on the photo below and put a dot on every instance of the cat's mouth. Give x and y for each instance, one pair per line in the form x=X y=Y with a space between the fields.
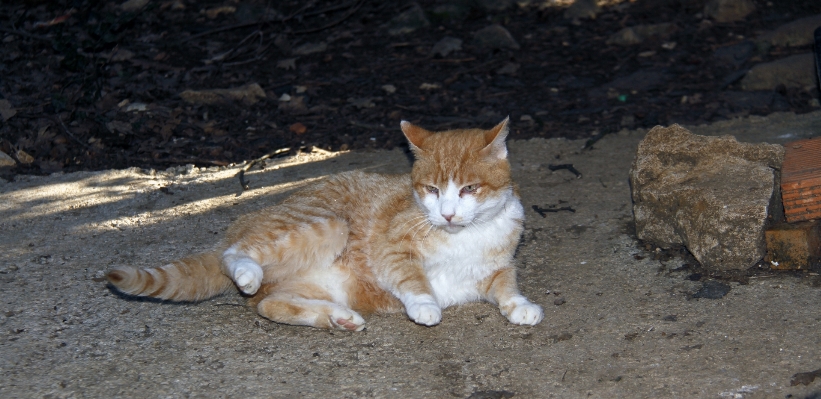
x=451 y=227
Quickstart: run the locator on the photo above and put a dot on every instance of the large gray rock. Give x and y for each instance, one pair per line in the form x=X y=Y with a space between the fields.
x=797 y=33
x=796 y=71
x=710 y=194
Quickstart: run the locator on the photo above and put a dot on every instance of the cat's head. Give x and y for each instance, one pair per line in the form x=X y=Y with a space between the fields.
x=460 y=177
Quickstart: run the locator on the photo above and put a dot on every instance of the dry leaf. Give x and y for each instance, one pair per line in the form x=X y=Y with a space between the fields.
x=6 y=160
x=24 y=158
x=215 y=12
x=298 y=128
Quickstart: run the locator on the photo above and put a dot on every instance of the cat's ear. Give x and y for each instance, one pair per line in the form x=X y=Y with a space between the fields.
x=416 y=135
x=495 y=139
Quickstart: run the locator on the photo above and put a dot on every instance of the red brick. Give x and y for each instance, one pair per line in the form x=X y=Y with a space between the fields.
x=793 y=246
x=801 y=180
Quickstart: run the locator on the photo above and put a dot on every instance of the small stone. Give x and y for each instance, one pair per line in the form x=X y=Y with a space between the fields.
x=311 y=48
x=390 y=89
x=639 y=33
x=446 y=46
x=119 y=127
x=136 y=107
x=728 y=10
x=582 y=9
x=361 y=103
x=794 y=34
x=285 y=97
x=287 y=64
x=430 y=86
x=797 y=71
x=559 y=301
x=625 y=37
x=495 y=37
x=710 y=194
x=508 y=69
x=408 y=21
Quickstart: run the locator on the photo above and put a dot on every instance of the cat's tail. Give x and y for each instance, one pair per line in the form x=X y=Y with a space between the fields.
x=193 y=278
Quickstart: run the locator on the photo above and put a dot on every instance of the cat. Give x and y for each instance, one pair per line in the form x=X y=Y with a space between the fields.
x=361 y=243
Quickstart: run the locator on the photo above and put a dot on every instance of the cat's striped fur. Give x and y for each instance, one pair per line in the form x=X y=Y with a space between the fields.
x=357 y=243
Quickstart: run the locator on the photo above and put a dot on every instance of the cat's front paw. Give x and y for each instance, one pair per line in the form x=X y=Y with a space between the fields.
x=524 y=312
x=423 y=309
x=248 y=278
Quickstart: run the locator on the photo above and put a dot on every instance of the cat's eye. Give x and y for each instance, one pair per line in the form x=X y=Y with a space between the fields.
x=470 y=189
x=432 y=190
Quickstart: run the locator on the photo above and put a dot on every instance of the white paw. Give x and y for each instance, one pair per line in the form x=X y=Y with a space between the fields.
x=526 y=313
x=347 y=320
x=248 y=278
x=423 y=309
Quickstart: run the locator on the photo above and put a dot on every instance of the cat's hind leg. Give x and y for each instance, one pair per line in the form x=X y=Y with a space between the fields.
x=307 y=305
x=295 y=239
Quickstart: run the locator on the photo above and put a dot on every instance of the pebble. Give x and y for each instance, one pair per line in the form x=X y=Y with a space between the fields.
x=446 y=46
x=408 y=21
x=495 y=37
x=728 y=10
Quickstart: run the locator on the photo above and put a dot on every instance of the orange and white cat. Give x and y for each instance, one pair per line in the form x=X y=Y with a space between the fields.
x=358 y=243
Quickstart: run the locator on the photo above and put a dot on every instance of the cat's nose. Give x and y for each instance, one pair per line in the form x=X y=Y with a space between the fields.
x=447 y=217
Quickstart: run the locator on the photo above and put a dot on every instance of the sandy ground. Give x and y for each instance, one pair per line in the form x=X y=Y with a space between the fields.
x=618 y=323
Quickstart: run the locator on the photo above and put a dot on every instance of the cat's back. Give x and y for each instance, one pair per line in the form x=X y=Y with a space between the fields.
x=360 y=196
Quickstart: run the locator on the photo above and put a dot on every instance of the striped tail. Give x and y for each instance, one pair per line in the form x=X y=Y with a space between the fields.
x=193 y=278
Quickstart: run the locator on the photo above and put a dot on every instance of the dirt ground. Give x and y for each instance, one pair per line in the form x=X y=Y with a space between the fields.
x=622 y=320
x=96 y=87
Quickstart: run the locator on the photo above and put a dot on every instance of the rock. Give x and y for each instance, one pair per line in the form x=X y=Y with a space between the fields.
x=582 y=9
x=249 y=94
x=509 y=69
x=710 y=194
x=728 y=10
x=625 y=37
x=794 y=34
x=794 y=71
x=408 y=21
x=6 y=160
x=446 y=46
x=311 y=48
x=735 y=55
x=495 y=37
x=639 y=33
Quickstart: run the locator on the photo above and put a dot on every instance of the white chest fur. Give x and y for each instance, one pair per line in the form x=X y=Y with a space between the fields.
x=457 y=264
